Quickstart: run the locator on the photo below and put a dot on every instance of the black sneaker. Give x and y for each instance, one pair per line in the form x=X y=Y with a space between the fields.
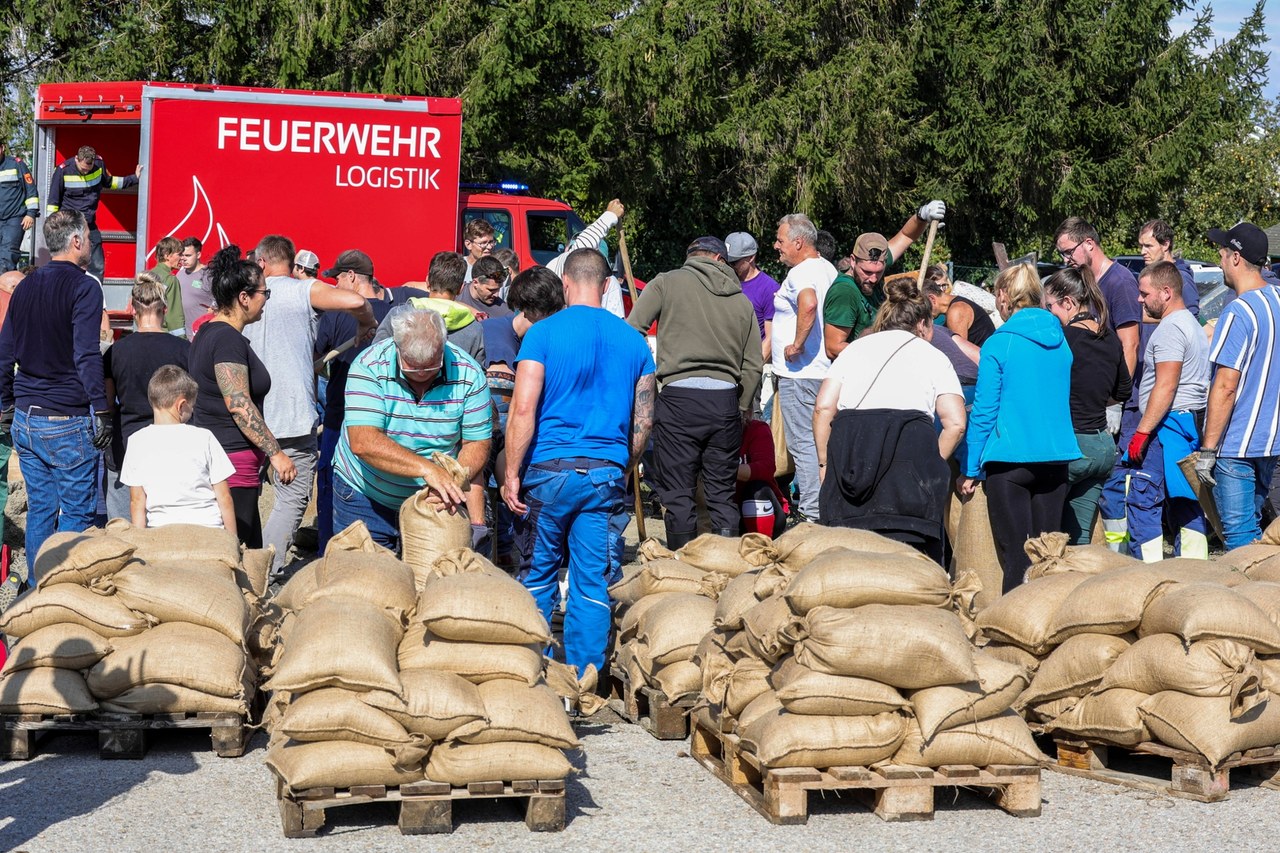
x=9 y=591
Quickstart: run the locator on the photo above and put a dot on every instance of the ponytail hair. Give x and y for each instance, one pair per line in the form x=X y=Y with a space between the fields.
x=1078 y=284
x=904 y=307
x=230 y=275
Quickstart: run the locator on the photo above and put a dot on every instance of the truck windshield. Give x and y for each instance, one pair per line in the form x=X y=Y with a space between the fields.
x=499 y=219
x=550 y=232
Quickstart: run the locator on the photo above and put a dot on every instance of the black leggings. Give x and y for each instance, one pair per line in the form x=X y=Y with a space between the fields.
x=244 y=499
x=1023 y=501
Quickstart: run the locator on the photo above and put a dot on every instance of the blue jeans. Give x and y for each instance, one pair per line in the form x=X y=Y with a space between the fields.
x=798 y=397
x=10 y=241
x=324 y=487
x=60 y=468
x=581 y=510
x=350 y=505
x=1241 y=489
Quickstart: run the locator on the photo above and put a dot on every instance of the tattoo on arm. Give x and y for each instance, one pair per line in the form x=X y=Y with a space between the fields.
x=233 y=382
x=642 y=414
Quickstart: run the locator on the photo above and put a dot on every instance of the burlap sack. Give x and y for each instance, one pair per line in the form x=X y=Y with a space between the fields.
x=1269 y=672
x=673 y=628
x=629 y=622
x=1213 y=667
x=262 y=637
x=1201 y=611
x=175 y=699
x=379 y=579
x=716 y=665
x=175 y=544
x=801 y=543
x=1025 y=615
x=771 y=628
x=747 y=680
x=79 y=558
x=1109 y=603
x=354 y=537
x=843 y=578
x=678 y=681
x=1265 y=594
x=712 y=553
x=45 y=690
x=1247 y=557
x=461 y=561
x=337 y=764
x=1204 y=724
x=516 y=712
x=170 y=593
x=301 y=585
x=975 y=551
x=348 y=644
x=783 y=463
x=464 y=763
x=1107 y=715
x=735 y=600
x=66 y=646
x=780 y=739
x=1074 y=668
x=1191 y=570
x=481 y=608
x=427 y=529
x=577 y=690
x=435 y=704
x=1010 y=653
x=1046 y=712
x=665 y=575
x=105 y=615
x=1203 y=491
x=1271 y=536
x=476 y=662
x=766 y=703
x=651 y=549
x=907 y=647
x=255 y=569
x=1051 y=555
x=772 y=580
x=332 y=713
x=803 y=691
x=632 y=662
x=174 y=653
x=1003 y=739
x=738 y=645
x=948 y=706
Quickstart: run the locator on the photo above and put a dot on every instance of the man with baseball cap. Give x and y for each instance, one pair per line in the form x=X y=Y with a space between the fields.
x=709 y=368
x=1242 y=424
x=305 y=264
x=757 y=284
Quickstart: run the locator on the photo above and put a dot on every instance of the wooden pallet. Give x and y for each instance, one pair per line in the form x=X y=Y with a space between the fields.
x=650 y=709
x=121 y=735
x=1163 y=769
x=895 y=793
x=425 y=807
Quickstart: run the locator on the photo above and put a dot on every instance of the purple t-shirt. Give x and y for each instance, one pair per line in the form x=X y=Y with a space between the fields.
x=760 y=290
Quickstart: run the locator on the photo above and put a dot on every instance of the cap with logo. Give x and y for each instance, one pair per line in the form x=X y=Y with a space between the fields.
x=740 y=245
x=1243 y=237
x=870 y=247
x=354 y=260
x=306 y=259
x=707 y=244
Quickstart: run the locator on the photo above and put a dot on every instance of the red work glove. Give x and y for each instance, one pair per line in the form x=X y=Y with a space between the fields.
x=1138 y=446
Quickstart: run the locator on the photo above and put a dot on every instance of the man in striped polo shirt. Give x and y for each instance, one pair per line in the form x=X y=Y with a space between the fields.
x=1242 y=424
x=407 y=397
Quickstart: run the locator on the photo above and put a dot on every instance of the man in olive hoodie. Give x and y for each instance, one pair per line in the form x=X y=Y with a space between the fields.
x=709 y=368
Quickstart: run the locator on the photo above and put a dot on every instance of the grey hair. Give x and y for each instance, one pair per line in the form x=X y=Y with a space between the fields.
x=419 y=333
x=60 y=226
x=799 y=227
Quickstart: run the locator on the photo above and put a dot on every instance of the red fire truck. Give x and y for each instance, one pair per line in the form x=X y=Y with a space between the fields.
x=331 y=170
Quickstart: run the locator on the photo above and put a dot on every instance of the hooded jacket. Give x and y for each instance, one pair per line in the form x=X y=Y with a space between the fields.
x=1022 y=403
x=706 y=326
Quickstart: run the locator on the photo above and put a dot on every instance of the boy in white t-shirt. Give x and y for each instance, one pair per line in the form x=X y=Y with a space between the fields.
x=176 y=473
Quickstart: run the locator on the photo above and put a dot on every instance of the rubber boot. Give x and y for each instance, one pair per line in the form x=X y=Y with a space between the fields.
x=1116 y=531
x=1194 y=544
x=677 y=539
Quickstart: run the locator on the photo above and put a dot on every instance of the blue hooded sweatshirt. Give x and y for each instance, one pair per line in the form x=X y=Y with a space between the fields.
x=1022 y=403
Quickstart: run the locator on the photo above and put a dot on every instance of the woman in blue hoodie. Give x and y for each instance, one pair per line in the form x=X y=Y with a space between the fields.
x=1020 y=434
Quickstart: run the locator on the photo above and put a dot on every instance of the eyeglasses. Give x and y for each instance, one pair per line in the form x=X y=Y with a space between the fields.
x=1066 y=253
x=419 y=371
x=266 y=293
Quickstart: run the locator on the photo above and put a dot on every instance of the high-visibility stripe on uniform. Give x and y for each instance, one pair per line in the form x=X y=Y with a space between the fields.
x=83 y=180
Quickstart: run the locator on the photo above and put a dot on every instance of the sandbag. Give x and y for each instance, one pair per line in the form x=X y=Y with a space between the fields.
x=1025 y=615
x=843 y=578
x=176 y=544
x=1203 y=724
x=801 y=543
x=301 y=585
x=678 y=681
x=1191 y=570
x=105 y=615
x=664 y=575
x=171 y=593
x=747 y=680
x=337 y=764
x=66 y=646
x=579 y=691
x=354 y=537
x=1246 y=557
x=771 y=628
x=464 y=763
x=766 y=703
x=672 y=629
x=629 y=623
x=427 y=529
x=173 y=653
x=516 y=712
x=781 y=739
x=737 y=597
x=1074 y=668
x=716 y=666
x=1051 y=554
x=1109 y=715
x=461 y=561
x=379 y=579
x=975 y=551
x=255 y=569
x=1271 y=536
x=45 y=690
x=804 y=691
x=1265 y=594
x=947 y=706
x=712 y=553
x=435 y=704
x=1201 y=611
x=175 y=699
x=1109 y=603
x=80 y=558
x=1046 y=712
x=481 y=608
x=772 y=580
x=1003 y=739
x=907 y=647
x=1010 y=653
x=1214 y=667
x=348 y=644
x=332 y=713
x=476 y=662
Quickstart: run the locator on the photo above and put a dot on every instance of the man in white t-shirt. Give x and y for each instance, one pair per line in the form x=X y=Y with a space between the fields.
x=284 y=339
x=799 y=362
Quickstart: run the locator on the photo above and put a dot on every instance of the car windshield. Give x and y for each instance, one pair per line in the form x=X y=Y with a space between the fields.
x=551 y=232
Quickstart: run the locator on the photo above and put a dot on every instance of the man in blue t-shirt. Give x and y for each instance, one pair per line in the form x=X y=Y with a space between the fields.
x=580 y=417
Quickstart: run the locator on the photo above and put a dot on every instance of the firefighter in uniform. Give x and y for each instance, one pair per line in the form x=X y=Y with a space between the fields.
x=78 y=184
x=19 y=207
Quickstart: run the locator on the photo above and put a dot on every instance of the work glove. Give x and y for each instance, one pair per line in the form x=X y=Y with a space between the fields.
x=102 y=432
x=1205 y=462
x=6 y=422
x=1138 y=447
x=934 y=210
x=1113 y=418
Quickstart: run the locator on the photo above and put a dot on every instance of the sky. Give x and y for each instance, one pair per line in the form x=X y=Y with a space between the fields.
x=1227 y=15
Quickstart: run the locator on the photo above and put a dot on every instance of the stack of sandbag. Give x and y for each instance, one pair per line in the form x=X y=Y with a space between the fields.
x=156 y=619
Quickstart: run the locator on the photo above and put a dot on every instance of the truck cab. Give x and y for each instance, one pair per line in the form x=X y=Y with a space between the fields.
x=537 y=229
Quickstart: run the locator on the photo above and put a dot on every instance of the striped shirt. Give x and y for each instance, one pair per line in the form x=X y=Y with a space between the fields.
x=1245 y=340
x=456 y=408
